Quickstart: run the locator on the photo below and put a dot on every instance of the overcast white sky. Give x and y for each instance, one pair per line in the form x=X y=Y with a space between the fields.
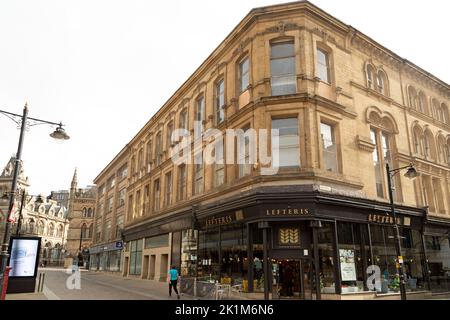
x=105 y=67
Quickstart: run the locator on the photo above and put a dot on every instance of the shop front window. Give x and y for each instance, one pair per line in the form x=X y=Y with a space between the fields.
x=414 y=260
x=208 y=260
x=234 y=262
x=258 y=259
x=385 y=253
x=114 y=260
x=325 y=246
x=384 y=256
x=135 y=257
x=438 y=254
x=350 y=253
x=188 y=252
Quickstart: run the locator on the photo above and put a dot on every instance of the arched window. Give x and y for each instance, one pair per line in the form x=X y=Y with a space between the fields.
x=31 y=226
x=370 y=72
x=183 y=120
x=41 y=228
x=148 y=154
x=200 y=111
x=445 y=113
x=435 y=109
x=133 y=165
x=382 y=83
x=429 y=145
x=169 y=131
x=382 y=154
x=158 y=148
x=56 y=252
x=412 y=97
x=422 y=103
x=47 y=251
x=140 y=159
x=418 y=140
x=219 y=112
x=442 y=149
x=90 y=230
x=84 y=212
x=51 y=230
x=83 y=231
x=89 y=213
x=60 y=231
x=448 y=151
x=382 y=133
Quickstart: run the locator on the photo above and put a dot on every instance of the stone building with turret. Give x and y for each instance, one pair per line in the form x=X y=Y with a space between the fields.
x=81 y=204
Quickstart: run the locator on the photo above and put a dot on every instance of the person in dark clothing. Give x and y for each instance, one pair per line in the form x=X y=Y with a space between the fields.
x=288 y=281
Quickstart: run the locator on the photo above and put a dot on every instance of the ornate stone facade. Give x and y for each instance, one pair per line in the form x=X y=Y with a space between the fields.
x=40 y=217
x=353 y=106
x=81 y=214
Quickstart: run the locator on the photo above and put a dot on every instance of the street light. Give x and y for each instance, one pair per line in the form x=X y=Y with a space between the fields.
x=24 y=121
x=410 y=174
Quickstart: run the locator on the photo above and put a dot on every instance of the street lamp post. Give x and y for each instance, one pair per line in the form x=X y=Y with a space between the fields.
x=24 y=121
x=20 y=221
x=411 y=173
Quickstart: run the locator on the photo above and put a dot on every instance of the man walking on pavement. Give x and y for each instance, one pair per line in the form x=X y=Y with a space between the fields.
x=173 y=279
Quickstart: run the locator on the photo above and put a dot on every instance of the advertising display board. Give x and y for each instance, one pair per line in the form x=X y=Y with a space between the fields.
x=24 y=256
x=348 y=266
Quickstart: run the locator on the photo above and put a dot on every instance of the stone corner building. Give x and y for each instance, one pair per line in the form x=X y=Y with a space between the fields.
x=81 y=211
x=345 y=106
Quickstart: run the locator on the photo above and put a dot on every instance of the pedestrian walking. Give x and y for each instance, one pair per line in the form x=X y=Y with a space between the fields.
x=173 y=279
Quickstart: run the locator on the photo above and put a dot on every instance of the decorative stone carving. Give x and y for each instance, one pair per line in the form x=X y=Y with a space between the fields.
x=364 y=144
x=380 y=119
x=282 y=27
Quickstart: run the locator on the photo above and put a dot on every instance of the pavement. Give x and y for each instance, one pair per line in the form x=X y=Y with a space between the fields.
x=63 y=285
x=26 y=296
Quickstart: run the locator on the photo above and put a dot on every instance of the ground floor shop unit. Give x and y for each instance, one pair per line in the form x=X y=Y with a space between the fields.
x=106 y=257
x=284 y=244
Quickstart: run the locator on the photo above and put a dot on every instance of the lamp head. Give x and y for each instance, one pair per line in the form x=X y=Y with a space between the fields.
x=59 y=134
x=411 y=173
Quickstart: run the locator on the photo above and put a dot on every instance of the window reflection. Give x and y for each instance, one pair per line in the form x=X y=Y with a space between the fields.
x=438 y=254
x=325 y=244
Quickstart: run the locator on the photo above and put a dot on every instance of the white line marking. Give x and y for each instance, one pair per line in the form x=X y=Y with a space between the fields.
x=49 y=293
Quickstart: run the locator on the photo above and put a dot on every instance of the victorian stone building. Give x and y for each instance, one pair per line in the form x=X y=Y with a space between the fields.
x=35 y=216
x=107 y=250
x=81 y=213
x=344 y=106
x=5 y=189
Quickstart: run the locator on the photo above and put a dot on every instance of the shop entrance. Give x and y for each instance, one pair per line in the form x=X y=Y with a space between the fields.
x=292 y=279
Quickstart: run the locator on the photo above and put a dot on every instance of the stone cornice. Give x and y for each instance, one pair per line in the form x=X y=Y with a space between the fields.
x=428 y=119
x=376 y=94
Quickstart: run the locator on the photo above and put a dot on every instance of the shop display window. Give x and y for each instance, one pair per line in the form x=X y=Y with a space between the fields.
x=438 y=254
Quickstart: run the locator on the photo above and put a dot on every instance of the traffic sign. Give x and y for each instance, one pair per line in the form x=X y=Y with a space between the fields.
x=119 y=244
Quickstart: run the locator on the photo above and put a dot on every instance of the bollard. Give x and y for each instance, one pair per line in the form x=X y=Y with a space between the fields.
x=42 y=283
x=195 y=287
x=39 y=282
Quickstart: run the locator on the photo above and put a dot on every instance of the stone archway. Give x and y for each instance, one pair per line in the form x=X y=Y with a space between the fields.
x=46 y=254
